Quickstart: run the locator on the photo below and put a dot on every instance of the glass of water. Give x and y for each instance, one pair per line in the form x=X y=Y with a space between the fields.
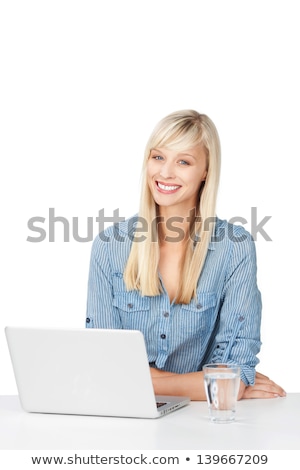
x=222 y=382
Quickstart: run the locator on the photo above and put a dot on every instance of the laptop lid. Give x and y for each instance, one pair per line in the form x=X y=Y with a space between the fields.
x=85 y=371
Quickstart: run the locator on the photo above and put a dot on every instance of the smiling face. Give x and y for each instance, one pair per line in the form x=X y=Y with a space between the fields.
x=175 y=178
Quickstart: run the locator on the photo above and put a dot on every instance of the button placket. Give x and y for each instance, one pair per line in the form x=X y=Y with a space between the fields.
x=164 y=330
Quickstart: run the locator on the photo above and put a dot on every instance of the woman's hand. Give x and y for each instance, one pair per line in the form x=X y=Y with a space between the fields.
x=263 y=388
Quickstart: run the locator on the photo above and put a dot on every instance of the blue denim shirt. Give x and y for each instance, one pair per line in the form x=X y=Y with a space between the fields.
x=221 y=325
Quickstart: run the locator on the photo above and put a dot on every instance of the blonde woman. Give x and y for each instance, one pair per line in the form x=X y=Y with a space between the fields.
x=176 y=272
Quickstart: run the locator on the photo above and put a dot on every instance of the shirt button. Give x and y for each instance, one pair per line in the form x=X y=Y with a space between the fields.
x=199 y=306
x=166 y=314
x=88 y=320
x=129 y=305
x=163 y=336
x=241 y=318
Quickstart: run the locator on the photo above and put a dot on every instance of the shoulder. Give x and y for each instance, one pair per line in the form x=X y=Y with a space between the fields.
x=232 y=238
x=124 y=227
x=230 y=232
x=116 y=238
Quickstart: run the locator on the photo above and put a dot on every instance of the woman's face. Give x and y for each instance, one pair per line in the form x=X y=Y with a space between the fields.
x=174 y=178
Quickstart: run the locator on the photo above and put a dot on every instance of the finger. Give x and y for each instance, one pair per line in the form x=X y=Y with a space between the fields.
x=259 y=394
x=263 y=391
x=269 y=385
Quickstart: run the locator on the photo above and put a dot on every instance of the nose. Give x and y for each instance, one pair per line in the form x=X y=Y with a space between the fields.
x=167 y=170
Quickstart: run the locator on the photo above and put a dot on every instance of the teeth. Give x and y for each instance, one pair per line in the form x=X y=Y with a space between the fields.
x=167 y=188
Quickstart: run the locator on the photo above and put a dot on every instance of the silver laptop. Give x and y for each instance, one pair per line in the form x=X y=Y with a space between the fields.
x=85 y=372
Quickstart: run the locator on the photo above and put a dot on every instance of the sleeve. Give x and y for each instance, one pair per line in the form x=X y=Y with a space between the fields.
x=238 y=336
x=100 y=311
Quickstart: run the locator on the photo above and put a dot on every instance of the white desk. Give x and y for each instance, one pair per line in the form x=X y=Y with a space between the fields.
x=271 y=424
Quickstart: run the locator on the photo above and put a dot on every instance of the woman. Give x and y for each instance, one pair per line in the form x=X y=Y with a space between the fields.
x=177 y=273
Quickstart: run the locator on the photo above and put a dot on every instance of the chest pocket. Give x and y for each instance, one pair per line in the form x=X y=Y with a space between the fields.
x=198 y=317
x=133 y=309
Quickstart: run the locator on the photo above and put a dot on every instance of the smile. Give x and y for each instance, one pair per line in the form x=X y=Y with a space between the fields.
x=167 y=188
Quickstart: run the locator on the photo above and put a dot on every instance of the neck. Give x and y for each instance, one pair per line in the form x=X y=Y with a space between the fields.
x=174 y=225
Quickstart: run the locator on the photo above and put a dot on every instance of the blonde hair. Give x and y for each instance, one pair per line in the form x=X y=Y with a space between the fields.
x=178 y=131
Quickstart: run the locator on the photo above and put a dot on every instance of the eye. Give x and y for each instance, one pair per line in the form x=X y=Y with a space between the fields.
x=157 y=157
x=183 y=162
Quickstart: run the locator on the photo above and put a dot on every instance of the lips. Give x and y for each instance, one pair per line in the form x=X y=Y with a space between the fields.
x=167 y=188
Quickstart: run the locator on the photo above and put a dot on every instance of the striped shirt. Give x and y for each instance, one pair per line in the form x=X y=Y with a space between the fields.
x=222 y=324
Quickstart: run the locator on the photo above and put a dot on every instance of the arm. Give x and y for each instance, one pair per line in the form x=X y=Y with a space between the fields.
x=100 y=311
x=242 y=297
x=186 y=385
x=237 y=338
x=192 y=385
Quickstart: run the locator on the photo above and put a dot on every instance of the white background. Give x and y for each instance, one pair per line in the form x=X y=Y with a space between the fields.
x=82 y=85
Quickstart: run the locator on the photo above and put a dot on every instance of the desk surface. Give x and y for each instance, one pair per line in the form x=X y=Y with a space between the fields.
x=260 y=424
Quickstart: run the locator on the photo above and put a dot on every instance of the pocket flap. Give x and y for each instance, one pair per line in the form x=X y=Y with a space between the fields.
x=204 y=301
x=131 y=302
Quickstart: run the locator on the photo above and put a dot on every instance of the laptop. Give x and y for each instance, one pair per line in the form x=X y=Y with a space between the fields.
x=85 y=372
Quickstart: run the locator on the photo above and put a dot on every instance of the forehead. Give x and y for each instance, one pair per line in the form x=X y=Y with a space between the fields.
x=182 y=134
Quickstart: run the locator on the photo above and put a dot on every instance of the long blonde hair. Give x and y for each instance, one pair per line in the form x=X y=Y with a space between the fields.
x=178 y=131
